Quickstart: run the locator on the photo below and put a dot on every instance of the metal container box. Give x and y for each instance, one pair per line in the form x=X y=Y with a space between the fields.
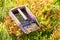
x=24 y=18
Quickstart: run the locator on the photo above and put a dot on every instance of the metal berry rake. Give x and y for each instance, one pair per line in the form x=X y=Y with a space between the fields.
x=24 y=18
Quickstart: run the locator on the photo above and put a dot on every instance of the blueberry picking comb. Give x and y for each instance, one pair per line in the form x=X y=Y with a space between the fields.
x=24 y=18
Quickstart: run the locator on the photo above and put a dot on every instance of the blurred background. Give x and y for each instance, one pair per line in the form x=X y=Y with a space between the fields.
x=47 y=13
